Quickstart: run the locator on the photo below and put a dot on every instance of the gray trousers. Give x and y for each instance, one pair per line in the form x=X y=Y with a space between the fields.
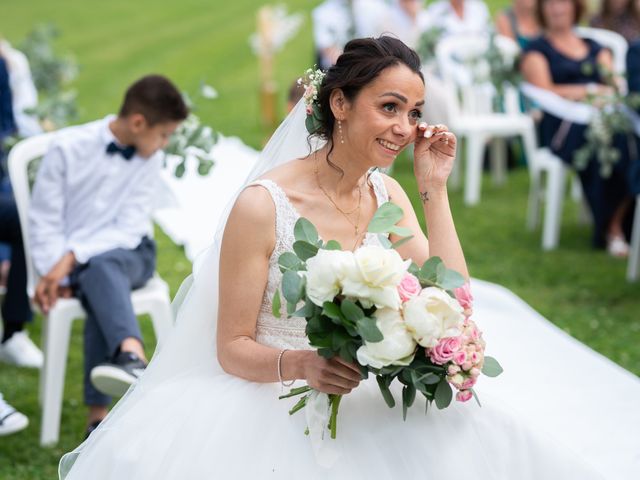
x=103 y=285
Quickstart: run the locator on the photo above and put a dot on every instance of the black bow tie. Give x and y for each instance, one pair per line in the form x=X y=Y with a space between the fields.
x=126 y=152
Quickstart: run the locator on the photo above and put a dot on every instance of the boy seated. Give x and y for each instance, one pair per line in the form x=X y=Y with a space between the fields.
x=90 y=229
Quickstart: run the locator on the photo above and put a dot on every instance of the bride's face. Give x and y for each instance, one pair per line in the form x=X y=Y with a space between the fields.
x=383 y=118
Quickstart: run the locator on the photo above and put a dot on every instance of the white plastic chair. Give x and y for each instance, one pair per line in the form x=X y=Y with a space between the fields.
x=610 y=40
x=470 y=111
x=152 y=299
x=633 y=267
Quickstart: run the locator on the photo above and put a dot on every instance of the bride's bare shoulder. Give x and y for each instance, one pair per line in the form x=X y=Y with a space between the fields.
x=288 y=173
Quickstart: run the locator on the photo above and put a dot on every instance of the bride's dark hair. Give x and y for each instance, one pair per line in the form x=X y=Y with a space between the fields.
x=361 y=62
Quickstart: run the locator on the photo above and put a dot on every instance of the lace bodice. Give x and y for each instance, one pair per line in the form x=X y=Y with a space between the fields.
x=286 y=332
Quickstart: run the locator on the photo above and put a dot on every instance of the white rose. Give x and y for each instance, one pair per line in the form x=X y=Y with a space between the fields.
x=433 y=315
x=376 y=278
x=324 y=274
x=396 y=348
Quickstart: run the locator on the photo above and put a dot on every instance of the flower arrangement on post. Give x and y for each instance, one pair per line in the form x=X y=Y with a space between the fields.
x=193 y=139
x=393 y=318
x=51 y=74
x=611 y=118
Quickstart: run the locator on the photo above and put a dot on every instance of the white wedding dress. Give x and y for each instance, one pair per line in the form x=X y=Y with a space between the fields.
x=190 y=420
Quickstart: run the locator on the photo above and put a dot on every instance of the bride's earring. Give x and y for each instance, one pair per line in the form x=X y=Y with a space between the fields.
x=340 y=131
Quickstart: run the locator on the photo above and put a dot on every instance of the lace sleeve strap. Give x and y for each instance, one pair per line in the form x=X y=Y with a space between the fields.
x=380 y=190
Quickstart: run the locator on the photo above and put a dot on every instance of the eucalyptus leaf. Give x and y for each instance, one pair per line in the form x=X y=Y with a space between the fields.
x=304 y=230
x=429 y=270
x=332 y=245
x=292 y=287
x=400 y=231
x=305 y=250
x=276 y=304
x=386 y=393
x=408 y=397
x=332 y=311
x=401 y=242
x=443 y=395
x=351 y=311
x=385 y=218
x=290 y=261
x=368 y=330
x=491 y=367
x=306 y=311
x=449 y=279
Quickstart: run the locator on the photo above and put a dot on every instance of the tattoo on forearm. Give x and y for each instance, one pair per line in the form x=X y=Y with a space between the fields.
x=424 y=196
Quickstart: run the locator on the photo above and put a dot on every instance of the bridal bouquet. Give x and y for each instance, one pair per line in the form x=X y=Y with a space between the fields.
x=393 y=318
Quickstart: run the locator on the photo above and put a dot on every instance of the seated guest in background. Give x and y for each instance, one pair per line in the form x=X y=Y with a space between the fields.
x=519 y=22
x=335 y=22
x=90 y=229
x=620 y=16
x=407 y=20
x=633 y=81
x=572 y=67
x=460 y=17
x=16 y=347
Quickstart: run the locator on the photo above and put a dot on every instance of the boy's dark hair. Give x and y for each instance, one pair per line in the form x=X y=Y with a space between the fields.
x=156 y=98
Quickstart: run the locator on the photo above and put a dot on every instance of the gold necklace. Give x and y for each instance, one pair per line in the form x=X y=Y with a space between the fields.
x=355 y=225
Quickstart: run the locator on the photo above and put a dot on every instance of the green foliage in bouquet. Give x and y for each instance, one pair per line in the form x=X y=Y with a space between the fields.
x=193 y=139
x=52 y=74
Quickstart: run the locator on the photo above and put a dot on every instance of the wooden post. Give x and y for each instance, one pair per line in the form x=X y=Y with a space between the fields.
x=268 y=93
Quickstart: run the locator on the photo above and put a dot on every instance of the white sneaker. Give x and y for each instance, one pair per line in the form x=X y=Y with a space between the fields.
x=21 y=351
x=11 y=420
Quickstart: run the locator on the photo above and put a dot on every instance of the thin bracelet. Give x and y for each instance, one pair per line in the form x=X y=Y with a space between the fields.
x=291 y=382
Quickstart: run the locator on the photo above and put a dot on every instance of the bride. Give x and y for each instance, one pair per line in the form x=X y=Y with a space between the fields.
x=207 y=406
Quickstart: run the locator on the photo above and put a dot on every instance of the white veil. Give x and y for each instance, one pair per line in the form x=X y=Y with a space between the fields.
x=190 y=349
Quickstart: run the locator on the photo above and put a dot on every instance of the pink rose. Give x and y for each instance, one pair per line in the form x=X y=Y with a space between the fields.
x=475 y=372
x=409 y=287
x=468 y=383
x=464 y=395
x=460 y=357
x=453 y=369
x=464 y=297
x=444 y=351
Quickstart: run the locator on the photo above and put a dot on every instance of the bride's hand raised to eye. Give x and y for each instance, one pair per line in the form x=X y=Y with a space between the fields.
x=333 y=376
x=434 y=154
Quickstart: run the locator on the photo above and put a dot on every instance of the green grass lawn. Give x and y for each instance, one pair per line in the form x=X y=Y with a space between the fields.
x=582 y=291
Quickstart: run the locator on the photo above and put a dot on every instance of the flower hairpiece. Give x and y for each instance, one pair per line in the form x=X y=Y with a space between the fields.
x=312 y=80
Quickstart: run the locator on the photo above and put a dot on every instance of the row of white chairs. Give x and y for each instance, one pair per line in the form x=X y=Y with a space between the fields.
x=472 y=116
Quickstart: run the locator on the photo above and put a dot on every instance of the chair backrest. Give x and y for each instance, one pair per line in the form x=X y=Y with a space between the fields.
x=464 y=67
x=611 y=40
x=20 y=157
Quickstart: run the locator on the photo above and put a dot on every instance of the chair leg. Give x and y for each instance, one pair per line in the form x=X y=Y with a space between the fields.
x=53 y=372
x=553 y=211
x=498 y=156
x=533 y=208
x=633 y=267
x=473 y=180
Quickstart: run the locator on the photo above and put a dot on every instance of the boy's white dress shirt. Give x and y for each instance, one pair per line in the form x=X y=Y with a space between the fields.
x=87 y=201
